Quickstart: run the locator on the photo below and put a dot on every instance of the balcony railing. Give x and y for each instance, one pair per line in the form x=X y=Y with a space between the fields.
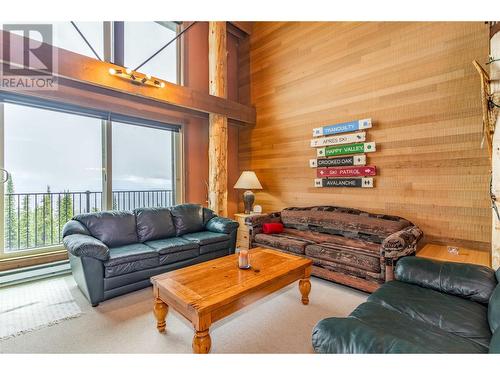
x=34 y=220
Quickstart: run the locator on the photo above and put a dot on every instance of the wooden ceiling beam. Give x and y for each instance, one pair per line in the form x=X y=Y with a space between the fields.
x=79 y=68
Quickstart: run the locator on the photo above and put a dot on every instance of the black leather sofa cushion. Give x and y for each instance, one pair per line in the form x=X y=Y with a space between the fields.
x=206 y=237
x=130 y=258
x=188 y=218
x=154 y=223
x=464 y=280
x=211 y=247
x=114 y=228
x=372 y=328
x=171 y=245
x=452 y=314
x=169 y=258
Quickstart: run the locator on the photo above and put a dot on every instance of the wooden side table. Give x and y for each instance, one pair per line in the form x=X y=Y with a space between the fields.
x=465 y=255
x=243 y=237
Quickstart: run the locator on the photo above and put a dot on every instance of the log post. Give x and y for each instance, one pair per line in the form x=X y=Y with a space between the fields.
x=217 y=146
x=495 y=91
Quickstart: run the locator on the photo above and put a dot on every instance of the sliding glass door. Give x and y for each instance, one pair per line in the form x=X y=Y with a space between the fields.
x=58 y=164
x=143 y=172
x=53 y=171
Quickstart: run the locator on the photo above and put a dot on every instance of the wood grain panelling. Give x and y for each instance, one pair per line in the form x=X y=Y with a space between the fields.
x=416 y=82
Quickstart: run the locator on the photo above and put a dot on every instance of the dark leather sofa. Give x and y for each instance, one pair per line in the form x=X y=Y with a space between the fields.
x=431 y=307
x=116 y=252
x=346 y=245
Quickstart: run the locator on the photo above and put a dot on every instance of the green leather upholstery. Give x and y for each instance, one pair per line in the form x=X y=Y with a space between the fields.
x=452 y=314
x=494 y=311
x=495 y=343
x=221 y=225
x=464 y=280
x=83 y=245
x=372 y=328
x=116 y=252
x=432 y=307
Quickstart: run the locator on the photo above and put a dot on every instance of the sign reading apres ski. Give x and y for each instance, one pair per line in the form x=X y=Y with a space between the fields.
x=345 y=127
x=357 y=148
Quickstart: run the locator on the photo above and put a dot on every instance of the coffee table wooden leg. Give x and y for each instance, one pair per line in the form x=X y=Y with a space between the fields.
x=202 y=342
x=305 y=288
x=160 y=310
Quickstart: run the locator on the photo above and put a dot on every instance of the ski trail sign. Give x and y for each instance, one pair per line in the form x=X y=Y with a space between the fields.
x=344 y=182
x=345 y=127
x=346 y=171
x=338 y=162
x=339 y=139
x=357 y=148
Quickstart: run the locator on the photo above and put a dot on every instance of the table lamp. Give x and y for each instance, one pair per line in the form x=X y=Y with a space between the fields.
x=248 y=180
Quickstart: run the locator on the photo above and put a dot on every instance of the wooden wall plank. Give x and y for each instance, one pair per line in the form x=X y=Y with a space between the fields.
x=414 y=79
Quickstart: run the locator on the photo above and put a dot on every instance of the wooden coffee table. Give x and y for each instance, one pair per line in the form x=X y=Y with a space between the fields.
x=209 y=291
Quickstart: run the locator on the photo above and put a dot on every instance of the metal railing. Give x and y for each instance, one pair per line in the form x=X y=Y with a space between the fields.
x=33 y=220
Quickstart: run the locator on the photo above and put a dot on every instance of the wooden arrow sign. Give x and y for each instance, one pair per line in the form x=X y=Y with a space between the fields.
x=338 y=162
x=345 y=127
x=344 y=182
x=346 y=171
x=338 y=139
x=356 y=148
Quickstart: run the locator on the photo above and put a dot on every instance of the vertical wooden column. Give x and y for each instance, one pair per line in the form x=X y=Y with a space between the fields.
x=217 y=147
x=495 y=160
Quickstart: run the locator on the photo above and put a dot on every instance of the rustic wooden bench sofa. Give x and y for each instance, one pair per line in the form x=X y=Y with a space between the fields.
x=347 y=246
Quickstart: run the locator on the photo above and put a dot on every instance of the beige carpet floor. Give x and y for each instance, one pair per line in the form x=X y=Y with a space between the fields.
x=278 y=323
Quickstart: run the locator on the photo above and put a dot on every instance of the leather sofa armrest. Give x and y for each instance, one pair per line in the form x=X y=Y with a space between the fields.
x=255 y=221
x=468 y=281
x=221 y=225
x=401 y=243
x=81 y=245
x=74 y=227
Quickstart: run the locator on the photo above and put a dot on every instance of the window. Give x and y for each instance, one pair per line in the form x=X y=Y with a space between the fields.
x=54 y=165
x=142 y=167
x=67 y=37
x=56 y=157
x=140 y=45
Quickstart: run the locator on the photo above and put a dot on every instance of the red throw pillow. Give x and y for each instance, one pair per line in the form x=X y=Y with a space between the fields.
x=272 y=228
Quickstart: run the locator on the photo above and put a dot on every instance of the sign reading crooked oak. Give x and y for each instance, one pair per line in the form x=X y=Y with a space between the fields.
x=338 y=139
x=366 y=182
x=338 y=162
x=347 y=171
x=344 y=127
x=356 y=148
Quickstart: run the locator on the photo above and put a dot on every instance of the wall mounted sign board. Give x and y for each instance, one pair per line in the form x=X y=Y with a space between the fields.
x=338 y=139
x=338 y=162
x=357 y=148
x=346 y=171
x=345 y=127
x=344 y=182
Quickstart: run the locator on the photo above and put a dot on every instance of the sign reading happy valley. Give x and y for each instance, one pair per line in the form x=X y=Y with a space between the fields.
x=357 y=148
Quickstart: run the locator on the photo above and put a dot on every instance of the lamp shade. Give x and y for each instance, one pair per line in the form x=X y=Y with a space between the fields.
x=248 y=180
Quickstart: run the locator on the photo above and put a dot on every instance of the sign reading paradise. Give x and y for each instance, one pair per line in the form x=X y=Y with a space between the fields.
x=357 y=148
x=365 y=182
x=345 y=127
x=339 y=139
x=346 y=171
x=338 y=162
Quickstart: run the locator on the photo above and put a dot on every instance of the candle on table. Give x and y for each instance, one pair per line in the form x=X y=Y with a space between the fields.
x=243 y=259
